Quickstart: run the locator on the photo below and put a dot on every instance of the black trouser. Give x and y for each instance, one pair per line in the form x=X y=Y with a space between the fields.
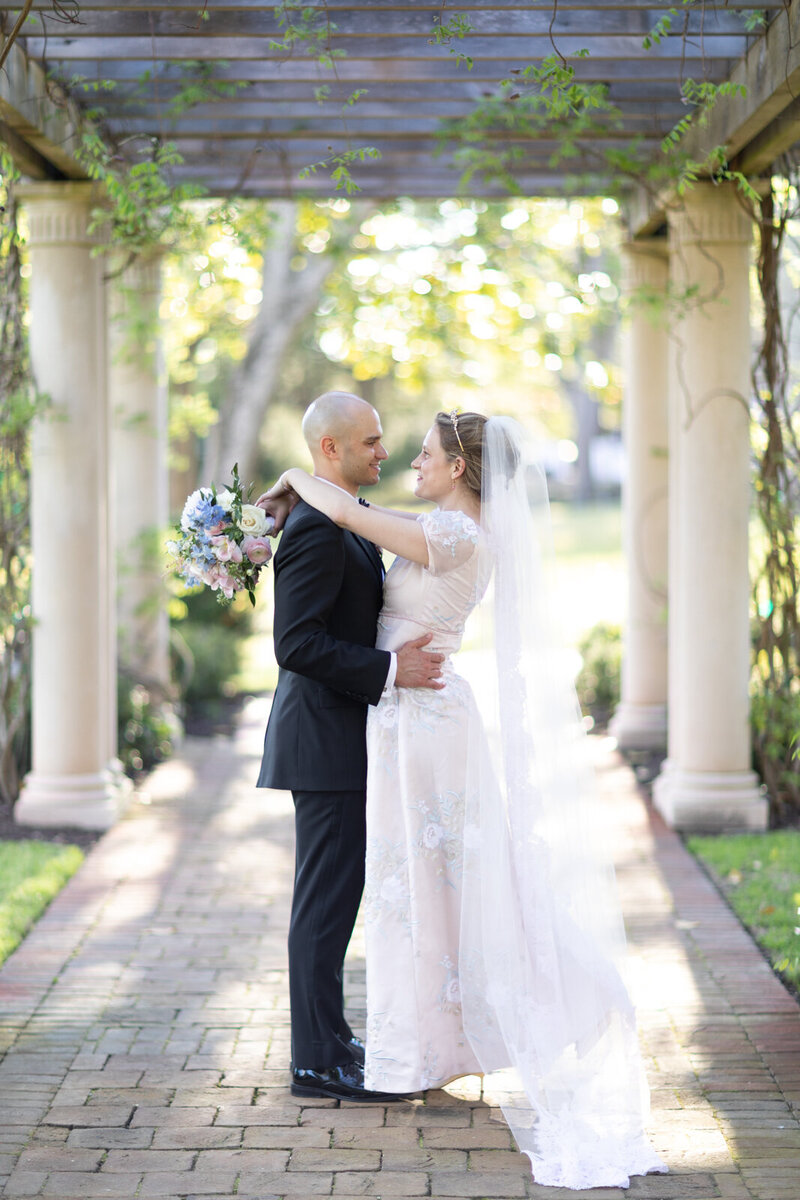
x=329 y=879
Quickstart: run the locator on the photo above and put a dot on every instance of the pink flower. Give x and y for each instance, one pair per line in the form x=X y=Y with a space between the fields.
x=218 y=528
x=226 y=549
x=219 y=580
x=257 y=549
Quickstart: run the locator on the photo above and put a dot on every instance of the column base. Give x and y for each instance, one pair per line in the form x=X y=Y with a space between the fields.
x=73 y=801
x=640 y=726
x=710 y=801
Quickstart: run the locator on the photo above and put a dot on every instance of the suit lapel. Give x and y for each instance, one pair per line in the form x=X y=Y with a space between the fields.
x=372 y=554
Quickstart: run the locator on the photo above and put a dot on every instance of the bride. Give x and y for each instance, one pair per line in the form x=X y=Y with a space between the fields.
x=493 y=934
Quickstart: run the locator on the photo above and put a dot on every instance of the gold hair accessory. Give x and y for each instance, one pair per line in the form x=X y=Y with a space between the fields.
x=454 y=419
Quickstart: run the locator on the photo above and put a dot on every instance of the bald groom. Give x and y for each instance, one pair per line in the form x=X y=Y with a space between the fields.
x=328 y=594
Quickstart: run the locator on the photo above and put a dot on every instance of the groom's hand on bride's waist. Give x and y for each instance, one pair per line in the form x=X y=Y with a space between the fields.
x=417 y=667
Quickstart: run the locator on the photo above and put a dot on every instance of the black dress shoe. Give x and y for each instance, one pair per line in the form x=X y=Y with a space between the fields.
x=338 y=1083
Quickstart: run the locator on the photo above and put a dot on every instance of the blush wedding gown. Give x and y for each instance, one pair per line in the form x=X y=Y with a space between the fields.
x=416 y=751
x=493 y=932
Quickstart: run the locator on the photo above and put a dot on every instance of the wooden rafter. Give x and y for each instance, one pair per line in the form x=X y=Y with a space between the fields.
x=260 y=137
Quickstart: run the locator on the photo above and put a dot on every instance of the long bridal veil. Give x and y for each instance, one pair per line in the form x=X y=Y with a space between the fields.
x=542 y=940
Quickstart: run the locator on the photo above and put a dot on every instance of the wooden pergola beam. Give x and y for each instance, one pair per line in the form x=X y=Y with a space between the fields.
x=387 y=22
x=378 y=49
x=780 y=136
x=27 y=160
x=756 y=127
x=770 y=75
x=38 y=119
x=484 y=76
x=150 y=50
x=267 y=8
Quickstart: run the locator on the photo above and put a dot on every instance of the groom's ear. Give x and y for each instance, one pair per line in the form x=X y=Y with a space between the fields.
x=328 y=447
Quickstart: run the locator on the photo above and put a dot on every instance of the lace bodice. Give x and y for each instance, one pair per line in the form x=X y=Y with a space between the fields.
x=437 y=598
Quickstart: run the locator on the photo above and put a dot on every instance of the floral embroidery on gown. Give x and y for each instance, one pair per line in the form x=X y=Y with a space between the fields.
x=417 y=740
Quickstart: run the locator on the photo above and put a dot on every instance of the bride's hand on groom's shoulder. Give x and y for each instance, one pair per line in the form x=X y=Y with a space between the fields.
x=417 y=667
x=277 y=506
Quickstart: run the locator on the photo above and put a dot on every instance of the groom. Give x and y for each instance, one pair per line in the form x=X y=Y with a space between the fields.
x=328 y=593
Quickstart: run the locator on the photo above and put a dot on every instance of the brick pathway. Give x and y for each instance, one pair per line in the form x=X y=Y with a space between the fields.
x=145 y=1024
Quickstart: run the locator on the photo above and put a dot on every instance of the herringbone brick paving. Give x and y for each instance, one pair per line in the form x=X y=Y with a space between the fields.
x=145 y=1024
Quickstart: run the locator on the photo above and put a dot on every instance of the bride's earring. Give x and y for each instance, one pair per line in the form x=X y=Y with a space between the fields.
x=453 y=485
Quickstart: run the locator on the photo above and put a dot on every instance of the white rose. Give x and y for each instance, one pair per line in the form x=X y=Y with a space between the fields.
x=225 y=499
x=253 y=520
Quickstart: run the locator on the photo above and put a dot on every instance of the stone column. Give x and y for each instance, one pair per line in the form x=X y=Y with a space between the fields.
x=707 y=783
x=640 y=721
x=73 y=780
x=138 y=396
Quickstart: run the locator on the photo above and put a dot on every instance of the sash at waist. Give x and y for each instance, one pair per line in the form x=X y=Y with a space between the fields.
x=395 y=630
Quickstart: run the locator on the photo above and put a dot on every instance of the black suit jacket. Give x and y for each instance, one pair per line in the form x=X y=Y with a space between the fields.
x=328 y=593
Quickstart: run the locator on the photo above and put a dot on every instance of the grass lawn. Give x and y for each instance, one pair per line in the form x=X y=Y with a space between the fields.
x=760 y=876
x=31 y=874
x=588 y=531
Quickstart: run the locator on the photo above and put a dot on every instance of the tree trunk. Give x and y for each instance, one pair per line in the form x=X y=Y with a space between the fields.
x=289 y=297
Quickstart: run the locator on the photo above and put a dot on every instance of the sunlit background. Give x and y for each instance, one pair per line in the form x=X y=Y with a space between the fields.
x=501 y=307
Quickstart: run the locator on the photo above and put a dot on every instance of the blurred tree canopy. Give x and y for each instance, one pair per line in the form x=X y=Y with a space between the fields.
x=505 y=306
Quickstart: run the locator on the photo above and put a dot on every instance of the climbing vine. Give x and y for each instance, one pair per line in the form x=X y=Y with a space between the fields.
x=311 y=29
x=63 y=10
x=19 y=403
x=776 y=577
x=546 y=102
x=449 y=33
x=308 y=27
x=139 y=205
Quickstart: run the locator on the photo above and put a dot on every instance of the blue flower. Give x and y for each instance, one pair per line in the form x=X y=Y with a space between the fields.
x=203 y=552
x=200 y=512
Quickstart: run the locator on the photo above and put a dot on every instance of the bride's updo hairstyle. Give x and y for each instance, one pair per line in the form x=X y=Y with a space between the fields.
x=461 y=435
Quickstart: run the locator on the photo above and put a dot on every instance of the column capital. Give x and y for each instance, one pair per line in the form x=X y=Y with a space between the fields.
x=646 y=263
x=60 y=213
x=710 y=213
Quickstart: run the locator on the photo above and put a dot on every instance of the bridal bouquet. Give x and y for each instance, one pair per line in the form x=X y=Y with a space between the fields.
x=222 y=541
